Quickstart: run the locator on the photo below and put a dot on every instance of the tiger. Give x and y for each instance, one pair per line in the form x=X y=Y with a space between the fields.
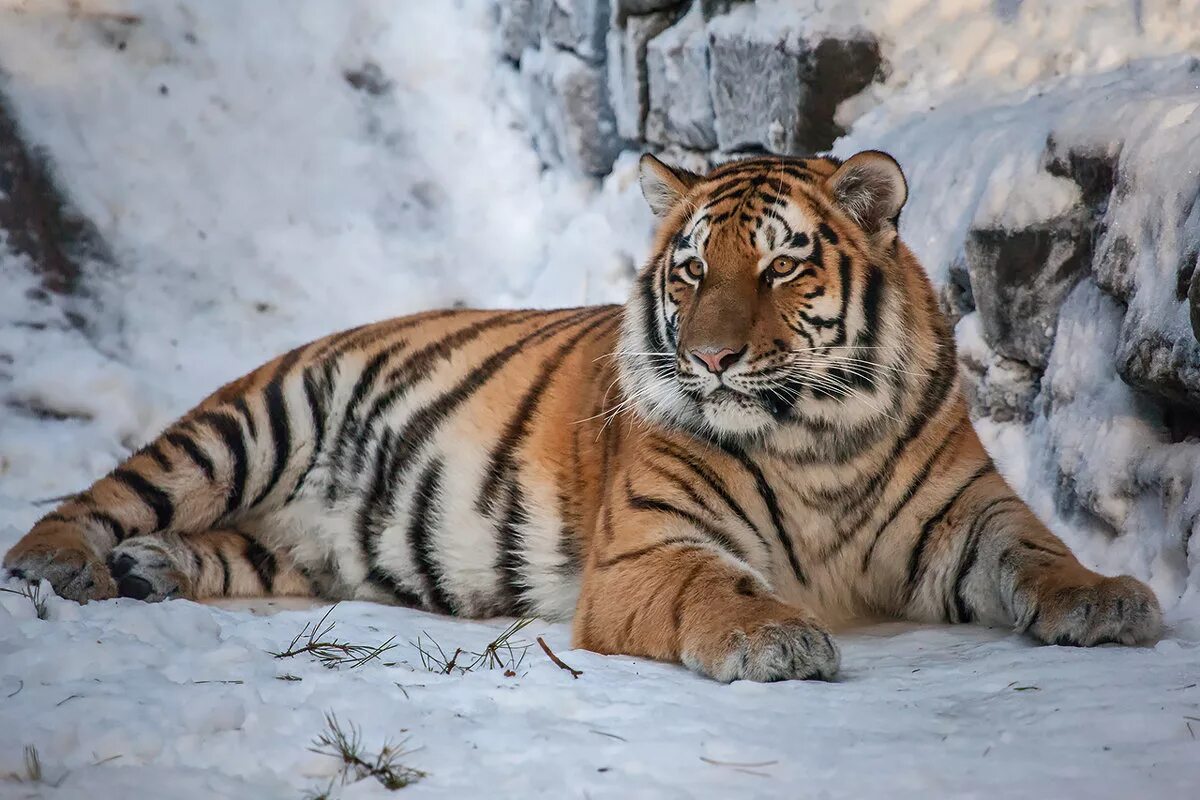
x=767 y=442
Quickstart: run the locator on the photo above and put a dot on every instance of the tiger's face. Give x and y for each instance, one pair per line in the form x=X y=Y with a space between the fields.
x=765 y=303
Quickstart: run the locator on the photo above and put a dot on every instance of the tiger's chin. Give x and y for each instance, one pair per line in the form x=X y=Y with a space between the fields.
x=735 y=416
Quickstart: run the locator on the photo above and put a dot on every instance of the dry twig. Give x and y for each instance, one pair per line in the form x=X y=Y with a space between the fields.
x=575 y=673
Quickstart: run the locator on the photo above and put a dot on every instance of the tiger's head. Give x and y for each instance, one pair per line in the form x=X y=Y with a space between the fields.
x=775 y=298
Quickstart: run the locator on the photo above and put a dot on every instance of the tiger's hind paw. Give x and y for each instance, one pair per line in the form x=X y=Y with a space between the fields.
x=66 y=561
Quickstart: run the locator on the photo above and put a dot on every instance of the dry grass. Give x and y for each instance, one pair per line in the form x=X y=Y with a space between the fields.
x=503 y=652
x=345 y=744
x=33 y=592
x=318 y=641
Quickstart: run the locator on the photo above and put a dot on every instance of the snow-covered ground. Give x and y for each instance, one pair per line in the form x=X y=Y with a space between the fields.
x=254 y=198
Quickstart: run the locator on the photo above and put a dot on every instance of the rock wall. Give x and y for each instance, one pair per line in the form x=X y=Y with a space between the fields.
x=687 y=77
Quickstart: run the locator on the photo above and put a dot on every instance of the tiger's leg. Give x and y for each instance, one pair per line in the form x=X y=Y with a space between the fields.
x=244 y=448
x=683 y=599
x=983 y=556
x=219 y=563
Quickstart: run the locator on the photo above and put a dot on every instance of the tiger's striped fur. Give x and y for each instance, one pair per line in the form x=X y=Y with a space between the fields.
x=767 y=439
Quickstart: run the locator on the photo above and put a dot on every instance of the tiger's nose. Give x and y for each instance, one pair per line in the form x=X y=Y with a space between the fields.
x=717 y=360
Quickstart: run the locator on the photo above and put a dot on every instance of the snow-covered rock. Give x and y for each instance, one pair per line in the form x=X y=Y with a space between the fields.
x=627 y=67
x=576 y=25
x=680 y=107
x=572 y=121
x=778 y=90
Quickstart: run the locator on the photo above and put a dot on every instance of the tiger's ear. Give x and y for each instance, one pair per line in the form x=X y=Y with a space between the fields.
x=663 y=186
x=871 y=189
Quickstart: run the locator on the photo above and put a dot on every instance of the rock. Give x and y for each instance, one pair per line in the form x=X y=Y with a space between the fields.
x=955 y=297
x=576 y=25
x=368 y=78
x=572 y=122
x=38 y=221
x=680 y=108
x=837 y=70
x=1020 y=278
x=781 y=94
x=622 y=9
x=1156 y=362
x=713 y=8
x=1094 y=171
x=1111 y=268
x=1193 y=297
x=999 y=388
x=519 y=27
x=627 y=71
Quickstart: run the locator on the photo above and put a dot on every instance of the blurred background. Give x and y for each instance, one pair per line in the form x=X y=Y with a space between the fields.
x=189 y=188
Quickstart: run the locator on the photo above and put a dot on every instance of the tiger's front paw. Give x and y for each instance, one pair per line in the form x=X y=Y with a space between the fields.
x=64 y=558
x=1121 y=609
x=771 y=651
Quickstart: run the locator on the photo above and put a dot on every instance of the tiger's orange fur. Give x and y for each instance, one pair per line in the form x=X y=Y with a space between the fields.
x=767 y=440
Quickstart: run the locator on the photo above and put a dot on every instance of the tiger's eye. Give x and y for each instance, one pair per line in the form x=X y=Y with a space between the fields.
x=783 y=267
x=694 y=269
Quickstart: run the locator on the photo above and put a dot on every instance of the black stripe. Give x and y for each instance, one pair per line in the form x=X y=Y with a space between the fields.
x=156 y=453
x=862 y=376
x=193 y=452
x=226 y=572
x=394 y=460
x=386 y=581
x=243 y=408
x=372 y=510
x=351 y=426
x=940 y=380
x=651 y=317
x=332 y=348
x=317 y=397
x=417 y=366
x=277 y=418
x=657 y=505
x=712 y=479
x=1041 y=549
x=158 y=500
x=366 y=378
x=916 y=565
x=909 y=493
x=197 y=559
x=772 y=503
x=116 y=528
x=844 y=274
x=970 y=554
x=641 y=552
x=501 y=464
x=263 y=561
x=682 y=486
x=422 y=527
x=230 y=431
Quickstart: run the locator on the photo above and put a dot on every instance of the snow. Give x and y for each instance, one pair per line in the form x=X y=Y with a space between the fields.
x=254 y=199
x=122 y=696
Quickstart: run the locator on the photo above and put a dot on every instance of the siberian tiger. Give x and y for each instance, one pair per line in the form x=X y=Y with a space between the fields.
x=766 y=440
